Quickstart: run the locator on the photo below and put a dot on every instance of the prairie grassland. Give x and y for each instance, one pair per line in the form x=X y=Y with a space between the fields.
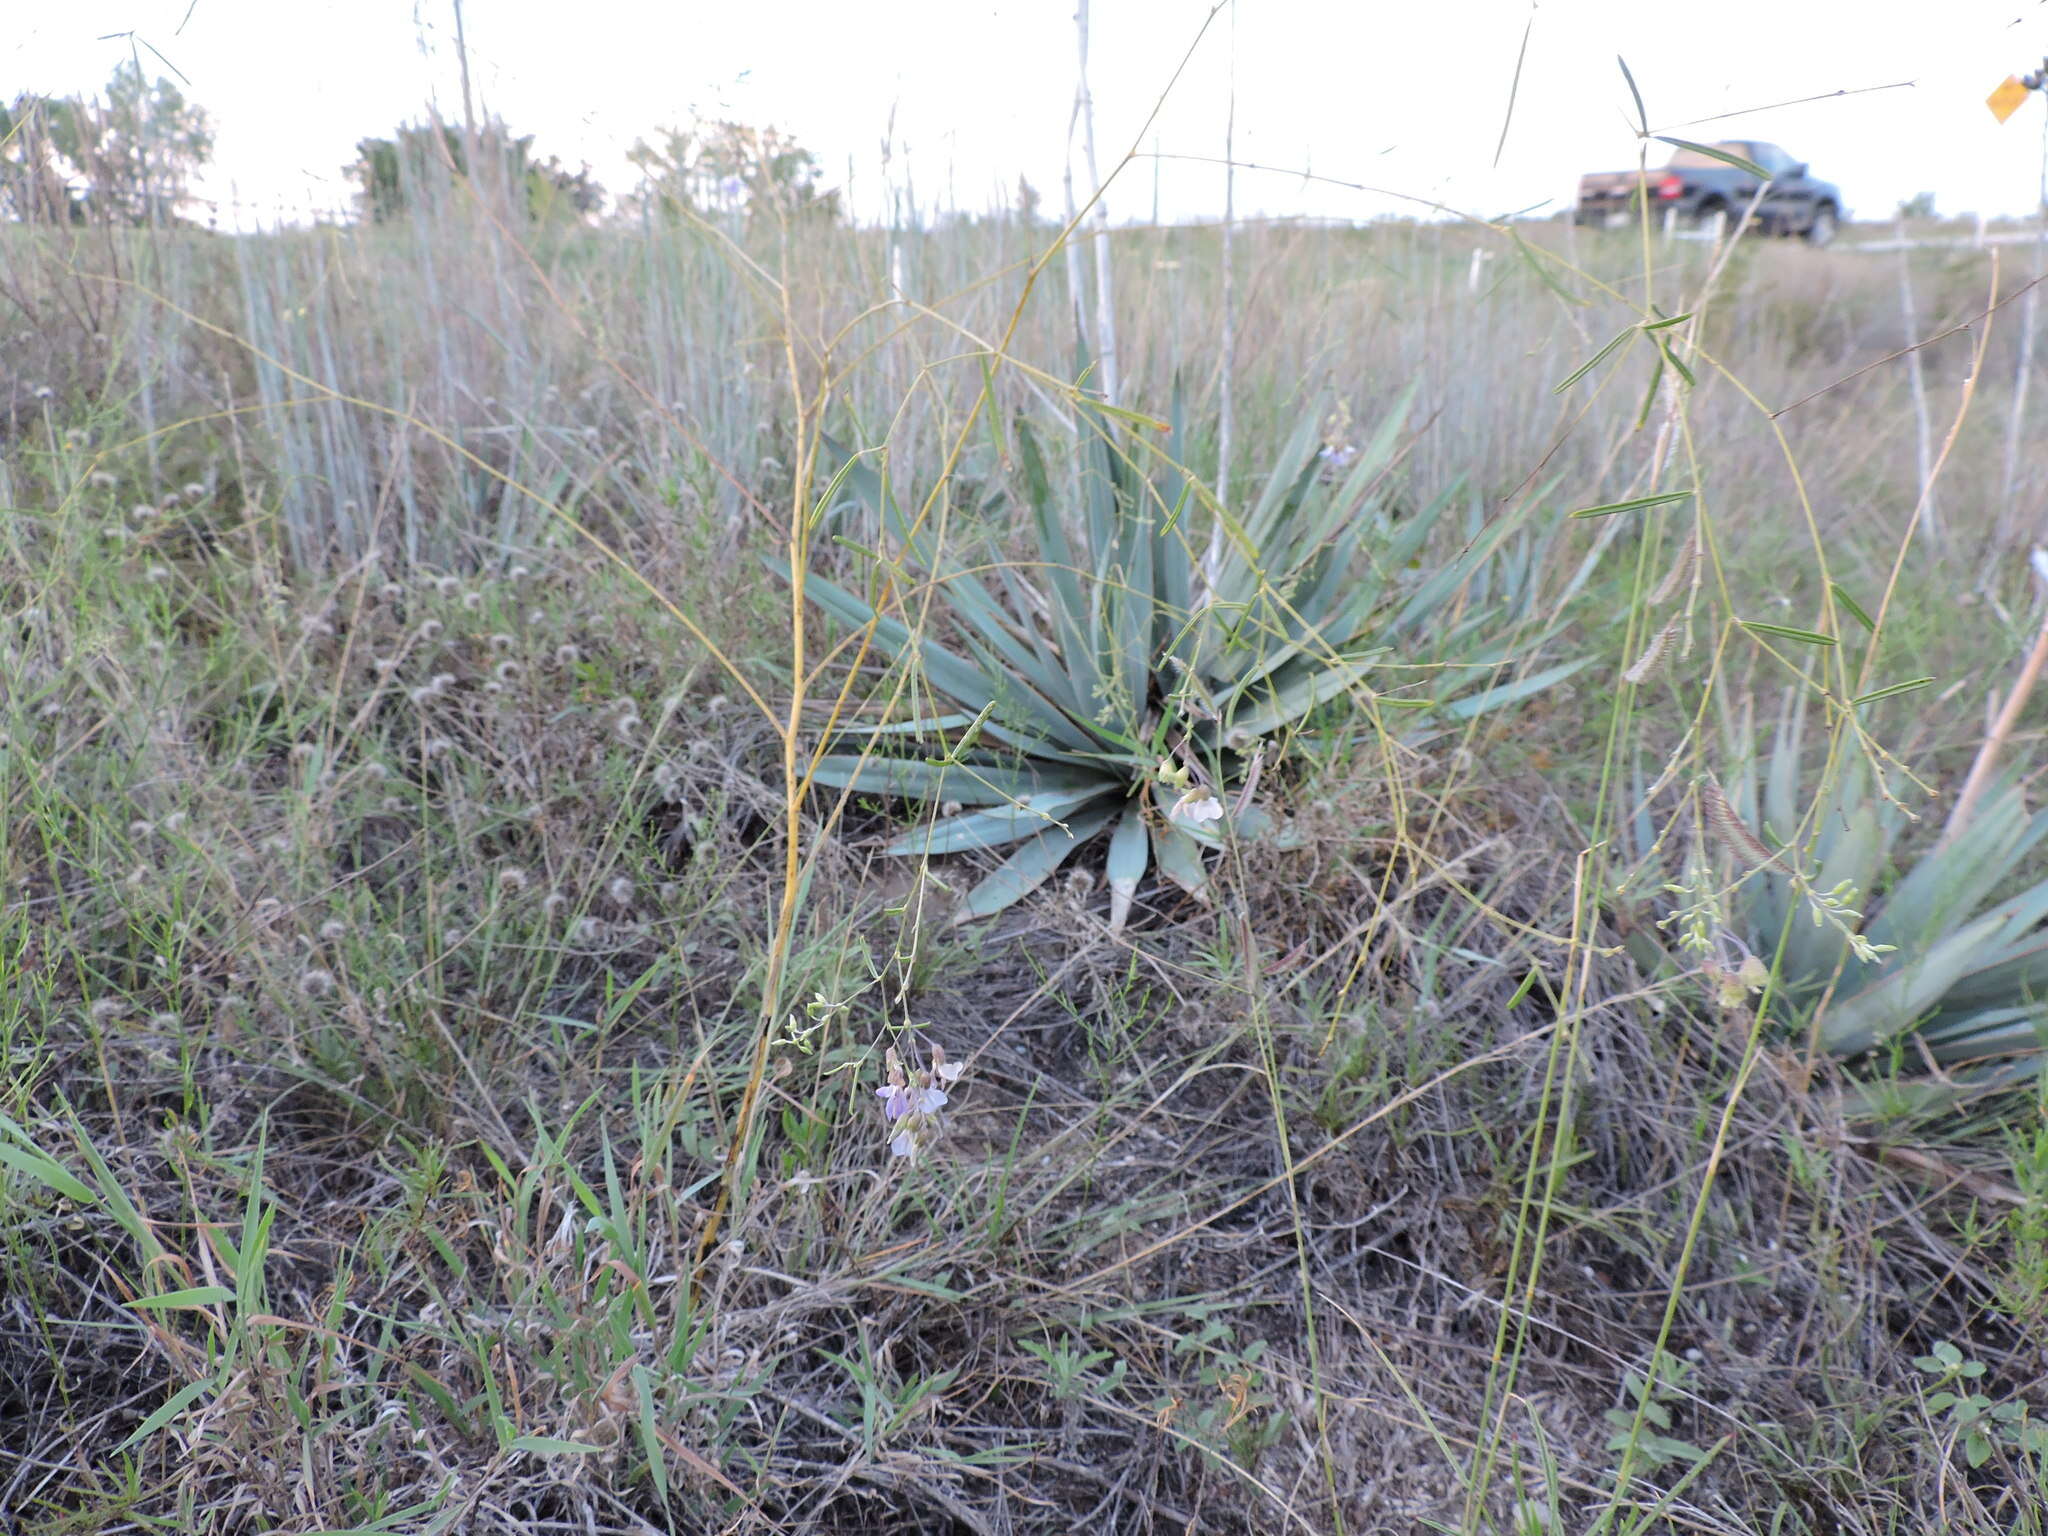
x=439 y=1041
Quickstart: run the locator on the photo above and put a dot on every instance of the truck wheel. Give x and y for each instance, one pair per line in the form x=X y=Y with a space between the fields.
x=1822 y=228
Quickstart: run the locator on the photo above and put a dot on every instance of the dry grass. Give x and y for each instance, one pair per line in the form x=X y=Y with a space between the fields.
x=388 y=941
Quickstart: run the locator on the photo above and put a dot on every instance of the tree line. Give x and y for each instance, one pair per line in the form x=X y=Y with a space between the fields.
x=129 y=156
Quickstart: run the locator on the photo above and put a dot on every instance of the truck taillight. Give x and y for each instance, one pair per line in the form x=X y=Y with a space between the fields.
x=1670 y=187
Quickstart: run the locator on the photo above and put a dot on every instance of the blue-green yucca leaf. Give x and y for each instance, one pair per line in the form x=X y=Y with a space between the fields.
x=1029 y=723
x=1000 y=825
x=970 y=783
x=1952 y=881
x=929 y=727
x=1250 y=558
x=1988 y=1033
x=1173 y=552
x=1128 y=856
x=1025 y=870
x=1179 y=858
x=1501 y=695
x=1289 y=694
x=1902 y=994
x=1067 y=605
x=1444 y=583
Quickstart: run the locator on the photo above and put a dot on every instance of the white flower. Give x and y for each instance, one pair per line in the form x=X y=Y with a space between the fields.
x=1197 y=806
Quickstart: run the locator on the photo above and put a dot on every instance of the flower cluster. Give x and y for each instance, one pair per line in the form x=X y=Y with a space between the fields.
x=912 y=1099
x=1197 y=803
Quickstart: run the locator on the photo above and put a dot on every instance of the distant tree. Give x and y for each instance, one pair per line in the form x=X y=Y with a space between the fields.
x=396 y=175
x=1028 y=199
x=1919 y=206
x=728 y=167
x=125 y=158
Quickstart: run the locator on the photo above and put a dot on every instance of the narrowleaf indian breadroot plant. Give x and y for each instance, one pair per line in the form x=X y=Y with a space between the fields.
x=1937 y=956
x=1119 y=681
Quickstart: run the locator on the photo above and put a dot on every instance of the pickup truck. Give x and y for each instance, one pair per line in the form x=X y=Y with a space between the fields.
x=1701 y=187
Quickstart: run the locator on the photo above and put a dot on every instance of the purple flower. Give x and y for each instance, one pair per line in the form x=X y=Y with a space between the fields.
x=895 y=1100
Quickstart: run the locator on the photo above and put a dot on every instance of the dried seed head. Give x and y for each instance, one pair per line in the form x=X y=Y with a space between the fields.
x=507 y=671
x=301 y=750
x=103 y=480
x=392 y=805
x=512 y=878
x=315 y=982
x=447 y=586
x=567 y=655
x=141 y=828
x=434 y=746
x=950 y=809
x=421 y=694
x=168 y=500
x=1679 y=575
x=391 y=591
x=156 y=575
x=104 y=1008
x=620 y=890
x=193 y=490
x=142 y=512
x=626 y=725
x=384 y=665
x=501 y=642
x=431 y=630
x=1651 y=662
x=715 y=703
x=334 y=928
x=587 y=929
x=164 y=1021
x=472 y=601
x=534 y=616
x=442 y=682
x=376 y=770
x=517 y=573
x=174 y=821
x=553 y=902
x=1721 y=816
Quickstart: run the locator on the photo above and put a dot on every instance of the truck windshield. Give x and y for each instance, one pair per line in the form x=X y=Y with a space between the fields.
x=1693 y=160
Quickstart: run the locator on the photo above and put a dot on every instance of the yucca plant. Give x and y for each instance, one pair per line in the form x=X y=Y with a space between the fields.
x=1938 y=956
x=1121 y=682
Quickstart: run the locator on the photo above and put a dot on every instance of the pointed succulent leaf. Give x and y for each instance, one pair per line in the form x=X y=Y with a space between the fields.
x=1031 y=865
x=969 y=783
x=999 y=825
x=1179 y=858
x=1128 y=856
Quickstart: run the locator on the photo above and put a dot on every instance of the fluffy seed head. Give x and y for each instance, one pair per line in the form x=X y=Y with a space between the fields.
x=334 y=928
x=315 y=982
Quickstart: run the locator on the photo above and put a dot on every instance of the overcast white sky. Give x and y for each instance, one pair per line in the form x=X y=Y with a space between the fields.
x=1405 y=96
